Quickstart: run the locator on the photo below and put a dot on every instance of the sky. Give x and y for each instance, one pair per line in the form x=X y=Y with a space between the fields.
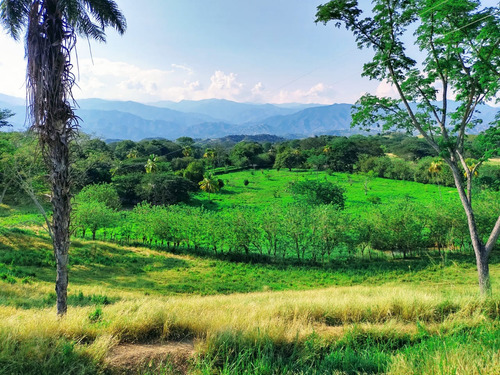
x=260 y=51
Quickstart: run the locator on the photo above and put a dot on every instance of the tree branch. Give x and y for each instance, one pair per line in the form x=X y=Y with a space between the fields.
x=493 y=238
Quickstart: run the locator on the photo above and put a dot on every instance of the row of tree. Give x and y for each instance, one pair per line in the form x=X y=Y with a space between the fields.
x=306 y=229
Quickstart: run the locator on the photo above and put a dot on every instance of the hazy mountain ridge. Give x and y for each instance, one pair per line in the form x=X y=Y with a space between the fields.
x=233 y=112
x=207 y=118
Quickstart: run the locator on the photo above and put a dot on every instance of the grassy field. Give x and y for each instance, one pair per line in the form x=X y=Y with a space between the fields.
x=361 y=316
x=268 y=186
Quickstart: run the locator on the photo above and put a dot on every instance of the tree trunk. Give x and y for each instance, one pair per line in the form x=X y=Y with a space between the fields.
x=60 y=179
x=4 y=191
x=481 y=252
x=483 y=271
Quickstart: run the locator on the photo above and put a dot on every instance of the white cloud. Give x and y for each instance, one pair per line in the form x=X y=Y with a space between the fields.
x=116 y=80
x=319 y=93
x=187 y=69
x=12 y=67
x=225 y=86
x=386 y=89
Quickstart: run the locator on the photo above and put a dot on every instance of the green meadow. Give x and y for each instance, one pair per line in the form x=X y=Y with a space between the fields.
x=199 y=312
x=270 y=186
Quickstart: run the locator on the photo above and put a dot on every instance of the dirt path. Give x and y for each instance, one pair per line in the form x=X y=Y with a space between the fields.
x=128 y=358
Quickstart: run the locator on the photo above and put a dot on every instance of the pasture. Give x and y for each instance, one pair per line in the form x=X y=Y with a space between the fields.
x=193 y=311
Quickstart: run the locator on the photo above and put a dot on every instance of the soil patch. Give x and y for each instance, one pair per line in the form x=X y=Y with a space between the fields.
x=128 y=358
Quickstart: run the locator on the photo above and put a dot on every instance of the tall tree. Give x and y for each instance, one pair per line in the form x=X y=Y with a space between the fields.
x=52 y=27
x=460 y=59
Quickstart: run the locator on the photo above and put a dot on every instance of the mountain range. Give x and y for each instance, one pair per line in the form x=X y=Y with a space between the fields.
x=211 y=118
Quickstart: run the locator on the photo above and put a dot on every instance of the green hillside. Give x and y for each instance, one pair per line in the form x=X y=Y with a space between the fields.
x=193 y=311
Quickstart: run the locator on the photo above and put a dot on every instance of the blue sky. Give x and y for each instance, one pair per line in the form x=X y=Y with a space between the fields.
x=247 y=51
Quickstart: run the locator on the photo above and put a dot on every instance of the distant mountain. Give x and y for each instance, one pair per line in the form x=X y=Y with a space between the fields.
x=233 y=112
x=123 y=125
x=208 y=119
x=308 y=122
x=11 y=100
x=144 y=111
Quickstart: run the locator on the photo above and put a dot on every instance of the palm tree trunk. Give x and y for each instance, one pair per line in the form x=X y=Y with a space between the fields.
x=60 y=180
x=49 y=43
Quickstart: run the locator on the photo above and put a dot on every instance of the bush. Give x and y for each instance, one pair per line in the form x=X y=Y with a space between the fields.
x=195 y=171
x=319 y=192
x=126 y=187
x=178 y=164
x=102 y=193
x=489 y=177
x=165 y=189
x=398 y=227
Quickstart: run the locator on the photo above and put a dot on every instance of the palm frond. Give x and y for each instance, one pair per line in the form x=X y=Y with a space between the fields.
x=14 y=16
x=106 y=13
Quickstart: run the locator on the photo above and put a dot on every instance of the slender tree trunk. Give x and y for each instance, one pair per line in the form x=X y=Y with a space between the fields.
x=4 y=191
x=480 y=250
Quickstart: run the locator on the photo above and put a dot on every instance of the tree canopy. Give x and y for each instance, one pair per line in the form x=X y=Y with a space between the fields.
x=459 y=59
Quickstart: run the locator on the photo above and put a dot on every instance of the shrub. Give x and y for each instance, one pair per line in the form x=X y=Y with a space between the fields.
x=102 y=193
x=398 y=227
x=165 y=189
x=489 y=177
x=195 y=171
x=127 y=186
x=319 y=192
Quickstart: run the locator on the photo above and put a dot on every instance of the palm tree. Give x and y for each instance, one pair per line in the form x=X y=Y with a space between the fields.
x=210 y=156
x=52 y=27
x=187 y=151
x=151 y=166
x=435 y=170
x=209 y=185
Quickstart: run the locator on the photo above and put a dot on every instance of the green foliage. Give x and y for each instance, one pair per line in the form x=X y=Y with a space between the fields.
x=96 y=315
x=151 y=165
x=4 y=115
x=244 y=154
x=288 y=158
x=210 y=185
x=102 y=193
x=123 y=148
x=319 y=192
x=40 y=355
x=93 y=215
x=489 y=177
x=93 y=161
x=178 y=164
x=398 y=228
x=165 y=189
x=127 y=187
x=195 y=171
x=458 y=44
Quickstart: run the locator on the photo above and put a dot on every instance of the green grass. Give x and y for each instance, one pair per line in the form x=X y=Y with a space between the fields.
x=27 y=257
x=388 y=316
x=271 y=186
x=248 y=315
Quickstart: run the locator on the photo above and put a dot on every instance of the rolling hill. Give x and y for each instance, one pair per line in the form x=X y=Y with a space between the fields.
x=211 y=118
